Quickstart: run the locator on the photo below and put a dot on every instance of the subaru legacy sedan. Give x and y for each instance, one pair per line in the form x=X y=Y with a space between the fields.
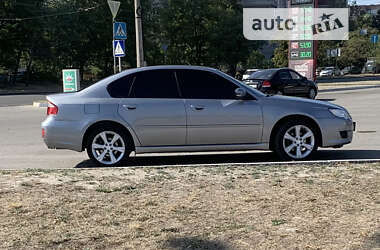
x=188 y=109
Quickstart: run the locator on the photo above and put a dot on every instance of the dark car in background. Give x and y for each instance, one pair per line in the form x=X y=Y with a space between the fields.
x=283 y=82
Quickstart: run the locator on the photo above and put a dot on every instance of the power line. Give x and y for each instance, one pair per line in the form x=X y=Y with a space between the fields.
x=51 y=15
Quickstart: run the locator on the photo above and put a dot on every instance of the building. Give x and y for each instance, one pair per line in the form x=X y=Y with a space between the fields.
x=285 y=3
x=264 y=3
x=370 y=9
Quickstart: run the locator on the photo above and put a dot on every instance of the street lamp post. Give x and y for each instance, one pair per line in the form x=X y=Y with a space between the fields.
x=139 y=36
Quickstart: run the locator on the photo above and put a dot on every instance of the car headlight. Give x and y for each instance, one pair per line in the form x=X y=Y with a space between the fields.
x=341 y=113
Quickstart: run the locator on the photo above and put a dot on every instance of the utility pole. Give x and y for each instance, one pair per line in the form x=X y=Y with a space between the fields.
x=139 y=35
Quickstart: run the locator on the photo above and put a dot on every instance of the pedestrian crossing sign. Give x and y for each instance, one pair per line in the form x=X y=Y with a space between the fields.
x=120 y=31
x=119 y=48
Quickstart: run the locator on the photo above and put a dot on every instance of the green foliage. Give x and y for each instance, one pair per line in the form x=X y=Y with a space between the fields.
x=258 y=61
x=59 y=34
x=45 y=36
x=280 y=58
x=355 y=51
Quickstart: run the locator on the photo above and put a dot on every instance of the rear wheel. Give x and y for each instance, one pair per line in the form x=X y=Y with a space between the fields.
x=312 y=93
x=296 y=140
x=108 y=146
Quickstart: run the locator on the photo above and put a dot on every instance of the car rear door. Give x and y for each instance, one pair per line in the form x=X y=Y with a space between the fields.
x=154 y=109
x=214 y=115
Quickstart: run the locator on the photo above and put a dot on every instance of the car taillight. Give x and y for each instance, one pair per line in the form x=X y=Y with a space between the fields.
x=52 y=109
x=266 y=84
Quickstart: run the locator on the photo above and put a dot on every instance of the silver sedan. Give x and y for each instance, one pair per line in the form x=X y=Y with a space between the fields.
x=188 y=109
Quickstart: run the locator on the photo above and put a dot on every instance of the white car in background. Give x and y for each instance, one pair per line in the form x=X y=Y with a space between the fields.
x=330 y=72
x=248 y=73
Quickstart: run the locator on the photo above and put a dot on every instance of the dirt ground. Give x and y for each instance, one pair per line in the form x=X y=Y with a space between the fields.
x=214 y=207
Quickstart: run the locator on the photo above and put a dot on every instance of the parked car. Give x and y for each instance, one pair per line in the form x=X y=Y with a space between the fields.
x=318 y=71
x=351 y=70
x=248 y=73
x=371 y=66
x=283 y=82
x=330 y=72
x=187 y=109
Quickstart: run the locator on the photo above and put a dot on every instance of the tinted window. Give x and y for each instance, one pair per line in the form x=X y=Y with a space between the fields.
x=284 y=75
x=155 y=84
x=196 y=84
x=294 y=75
x=263 y=74
x=120 y=88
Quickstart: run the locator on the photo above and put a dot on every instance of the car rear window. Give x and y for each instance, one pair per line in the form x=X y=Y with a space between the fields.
x=155 y=84
x=263 y=74
x=121 y=87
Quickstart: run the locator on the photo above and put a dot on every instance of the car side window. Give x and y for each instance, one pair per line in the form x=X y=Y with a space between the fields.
x=198 y=84
x=294 y=75
x=120 y=88
x=155 y=84
x=284 y=75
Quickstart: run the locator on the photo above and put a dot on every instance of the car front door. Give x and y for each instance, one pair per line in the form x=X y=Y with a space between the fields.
x=302 y=86
x=214 y=115
x=286 y=82
x=154 y=109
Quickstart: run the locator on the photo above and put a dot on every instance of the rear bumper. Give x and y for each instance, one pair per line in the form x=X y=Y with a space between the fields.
x=62 y=134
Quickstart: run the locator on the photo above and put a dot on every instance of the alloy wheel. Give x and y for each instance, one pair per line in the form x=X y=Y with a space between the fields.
x=299 y=142
x=108 y=147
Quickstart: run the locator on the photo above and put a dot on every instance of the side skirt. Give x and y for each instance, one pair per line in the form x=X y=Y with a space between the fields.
x=202 y=148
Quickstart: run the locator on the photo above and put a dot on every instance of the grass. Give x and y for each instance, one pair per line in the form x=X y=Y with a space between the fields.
x=255 y=207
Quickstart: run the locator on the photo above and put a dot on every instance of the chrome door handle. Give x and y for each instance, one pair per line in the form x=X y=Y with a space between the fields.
x=197 y=107
x=130 y=107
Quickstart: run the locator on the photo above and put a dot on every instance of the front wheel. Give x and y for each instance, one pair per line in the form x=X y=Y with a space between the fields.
x=296 y=141
x=108 y=146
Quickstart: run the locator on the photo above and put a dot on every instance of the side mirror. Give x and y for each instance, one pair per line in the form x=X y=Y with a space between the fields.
x=240 y=93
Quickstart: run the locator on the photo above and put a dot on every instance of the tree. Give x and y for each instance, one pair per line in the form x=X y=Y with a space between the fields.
x=355 y=51
x=256 y=60
x=204 y=32
x=19 y=37
x=280 y=58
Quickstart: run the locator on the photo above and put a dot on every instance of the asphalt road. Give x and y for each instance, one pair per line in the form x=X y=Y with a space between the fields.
x=22 y=145
x=19 y=100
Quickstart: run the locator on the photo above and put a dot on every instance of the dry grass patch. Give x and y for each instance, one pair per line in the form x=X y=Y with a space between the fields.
x=260 y=207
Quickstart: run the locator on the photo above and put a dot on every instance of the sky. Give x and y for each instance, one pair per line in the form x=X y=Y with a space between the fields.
x=367 y=2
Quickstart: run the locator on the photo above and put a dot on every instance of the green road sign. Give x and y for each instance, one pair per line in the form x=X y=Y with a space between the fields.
x=71 y=81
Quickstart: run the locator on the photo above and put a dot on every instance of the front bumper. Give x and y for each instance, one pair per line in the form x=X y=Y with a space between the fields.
x=337 y=132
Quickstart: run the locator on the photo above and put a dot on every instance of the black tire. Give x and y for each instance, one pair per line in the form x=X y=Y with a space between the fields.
x=312 y=94
x=278 y=142
x=128 y=145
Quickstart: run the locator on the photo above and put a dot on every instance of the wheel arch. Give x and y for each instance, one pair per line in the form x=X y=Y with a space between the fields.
x=107 y=123
x=285 y=119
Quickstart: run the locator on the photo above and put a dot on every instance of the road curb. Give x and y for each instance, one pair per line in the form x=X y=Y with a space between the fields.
x=291 y=163
x=232 y=165
x=347 y=89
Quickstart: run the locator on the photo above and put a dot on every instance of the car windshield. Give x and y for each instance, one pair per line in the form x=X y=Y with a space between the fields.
x=263 y=74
